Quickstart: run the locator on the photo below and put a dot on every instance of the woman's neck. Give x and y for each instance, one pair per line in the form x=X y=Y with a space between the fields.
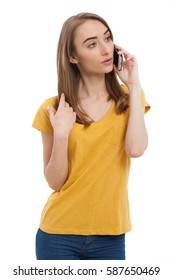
x=92 y=88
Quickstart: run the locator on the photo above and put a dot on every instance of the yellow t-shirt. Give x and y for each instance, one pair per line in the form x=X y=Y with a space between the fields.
x=94 y=199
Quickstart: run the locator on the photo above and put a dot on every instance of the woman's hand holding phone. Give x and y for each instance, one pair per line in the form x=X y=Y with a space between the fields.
x=129 y=67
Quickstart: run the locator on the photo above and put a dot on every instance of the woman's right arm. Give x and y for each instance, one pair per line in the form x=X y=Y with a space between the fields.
x=55 y=148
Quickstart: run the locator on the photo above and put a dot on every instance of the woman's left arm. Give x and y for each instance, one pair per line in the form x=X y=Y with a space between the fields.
x=136 y=139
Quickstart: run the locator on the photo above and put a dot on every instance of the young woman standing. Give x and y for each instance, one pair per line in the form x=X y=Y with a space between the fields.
x=89 y=133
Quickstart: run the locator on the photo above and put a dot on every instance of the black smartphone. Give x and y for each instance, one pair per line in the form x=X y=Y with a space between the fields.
x=118 y=59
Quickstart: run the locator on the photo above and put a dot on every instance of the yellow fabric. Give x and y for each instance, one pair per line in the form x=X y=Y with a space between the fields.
x=94 y=199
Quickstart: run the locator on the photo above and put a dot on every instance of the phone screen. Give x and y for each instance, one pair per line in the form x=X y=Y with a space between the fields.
x=118 y=58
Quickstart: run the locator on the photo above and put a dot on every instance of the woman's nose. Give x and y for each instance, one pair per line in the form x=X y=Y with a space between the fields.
x=104 y=49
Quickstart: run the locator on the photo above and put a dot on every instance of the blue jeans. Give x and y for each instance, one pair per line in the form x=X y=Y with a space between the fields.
x=79 y=247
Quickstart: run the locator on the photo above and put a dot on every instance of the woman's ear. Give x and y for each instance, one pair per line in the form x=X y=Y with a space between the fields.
x=73 y=59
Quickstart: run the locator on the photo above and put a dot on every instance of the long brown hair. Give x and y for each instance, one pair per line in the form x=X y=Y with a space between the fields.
x=69 y=74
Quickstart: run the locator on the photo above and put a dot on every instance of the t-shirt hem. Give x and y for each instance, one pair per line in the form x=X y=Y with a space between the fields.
x=85 y=231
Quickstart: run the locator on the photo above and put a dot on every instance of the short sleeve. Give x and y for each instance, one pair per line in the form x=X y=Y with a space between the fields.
x=143 y=99
x=41 y=120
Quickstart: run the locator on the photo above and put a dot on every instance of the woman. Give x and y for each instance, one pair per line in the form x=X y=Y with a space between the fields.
x=89 y=133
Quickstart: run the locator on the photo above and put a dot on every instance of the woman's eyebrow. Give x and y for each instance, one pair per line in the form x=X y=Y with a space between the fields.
x=94 y=37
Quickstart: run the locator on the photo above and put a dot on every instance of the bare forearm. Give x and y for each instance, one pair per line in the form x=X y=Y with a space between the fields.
x=136 y=140
x=57 y=169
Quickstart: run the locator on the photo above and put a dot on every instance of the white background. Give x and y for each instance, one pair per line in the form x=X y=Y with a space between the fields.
x=29 y=32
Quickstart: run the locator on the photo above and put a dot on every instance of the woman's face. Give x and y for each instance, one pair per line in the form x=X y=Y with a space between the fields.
x=93 y=48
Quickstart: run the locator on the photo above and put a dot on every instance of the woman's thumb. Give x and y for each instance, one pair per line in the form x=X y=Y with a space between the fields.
x=50 y=111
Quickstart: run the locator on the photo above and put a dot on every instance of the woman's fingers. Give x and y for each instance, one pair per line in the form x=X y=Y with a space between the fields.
x=50 y=111
x=62 y=101
x=126 y=54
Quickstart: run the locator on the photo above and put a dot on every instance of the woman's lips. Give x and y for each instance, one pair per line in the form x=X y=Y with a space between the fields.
x=107 y=61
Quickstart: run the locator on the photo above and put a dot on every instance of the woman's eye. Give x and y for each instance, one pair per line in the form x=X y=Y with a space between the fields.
x=108 y=38
x=92 y=45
